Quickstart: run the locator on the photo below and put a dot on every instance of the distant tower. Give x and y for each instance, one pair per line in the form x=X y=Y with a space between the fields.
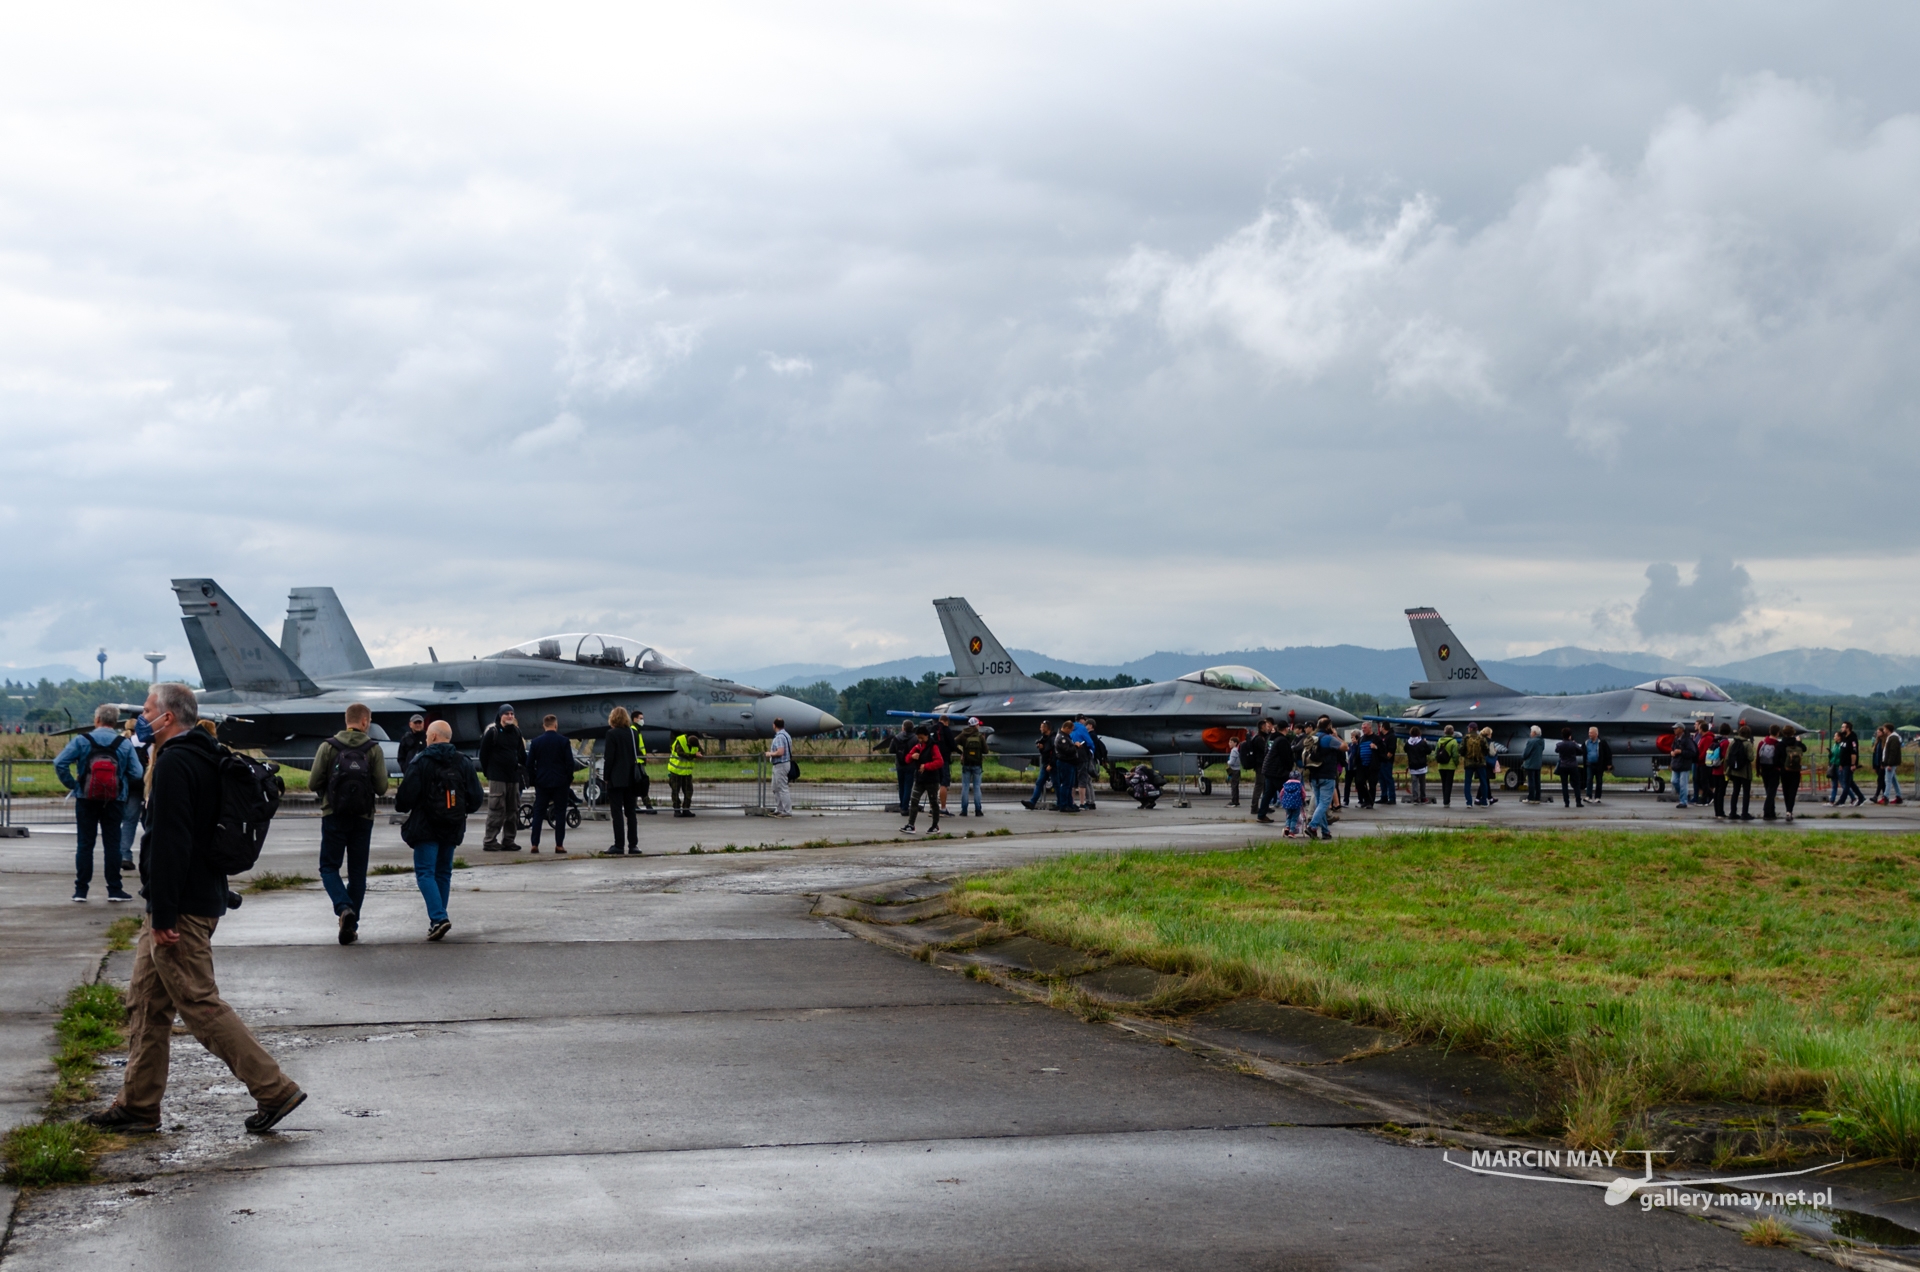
x=156 y=660
x=102 y=656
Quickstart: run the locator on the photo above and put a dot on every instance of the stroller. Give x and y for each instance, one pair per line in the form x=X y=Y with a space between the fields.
x=1144 y=785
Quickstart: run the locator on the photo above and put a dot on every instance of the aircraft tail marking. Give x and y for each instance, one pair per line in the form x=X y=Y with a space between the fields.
x=319 y=636
x=981 y=664
x=1451 y=671
x=231 y=650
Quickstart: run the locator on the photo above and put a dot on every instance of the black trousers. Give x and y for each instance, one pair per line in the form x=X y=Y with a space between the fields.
x=1364 y=779
x=550 y=805
x=1233 y=787
x=1717 y=783
x=928 y=784
x=1789 y=789
x=1446 y=788
x=626 y=817
x=1741 y=803
x=643 y=787
x=1770 y=779
x=1572 y=782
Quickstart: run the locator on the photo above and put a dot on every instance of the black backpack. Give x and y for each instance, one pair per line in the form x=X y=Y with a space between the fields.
x=350 y=785
x=443 y=795
x=249 y=797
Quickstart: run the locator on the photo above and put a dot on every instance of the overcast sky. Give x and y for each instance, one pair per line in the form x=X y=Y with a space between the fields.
x=747 y=330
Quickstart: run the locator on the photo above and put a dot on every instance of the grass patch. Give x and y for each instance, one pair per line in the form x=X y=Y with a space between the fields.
x=50 y=1153
x=89 y=1023
x=389 y=869
x=1767 y=1232
x=1629 y=968
x=460 y=863
x=123 y=932
x=275 y=881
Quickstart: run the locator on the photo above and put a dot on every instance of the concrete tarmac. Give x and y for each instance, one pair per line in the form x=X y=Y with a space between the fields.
x=670 y=1061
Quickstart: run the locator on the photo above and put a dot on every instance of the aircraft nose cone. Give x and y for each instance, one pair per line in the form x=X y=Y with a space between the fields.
x=829 y=722
x=802 y=718
x=1341 y=719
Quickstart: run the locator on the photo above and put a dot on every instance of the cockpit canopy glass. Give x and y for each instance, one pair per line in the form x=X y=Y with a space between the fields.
x=1243 y=678
x=1692 y=688
x=594 y=649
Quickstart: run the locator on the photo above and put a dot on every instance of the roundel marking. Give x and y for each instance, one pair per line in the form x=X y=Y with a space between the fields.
x=1446 y=652
x=973 y=646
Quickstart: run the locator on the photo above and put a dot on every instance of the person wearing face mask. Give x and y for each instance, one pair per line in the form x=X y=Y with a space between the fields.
x=173 y=963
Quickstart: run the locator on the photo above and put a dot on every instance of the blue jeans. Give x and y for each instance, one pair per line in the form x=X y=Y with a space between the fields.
x=1323 y=792
x=1893 y=783
x=905 y=775
x=349 y=838
x=1293 y=820
x=970 y=781
x=1039 y=785
x=1063 y=777
x=1683 y=786
x=1478 y=772
x=96 y=818
x=130 y=829
x=433 y=871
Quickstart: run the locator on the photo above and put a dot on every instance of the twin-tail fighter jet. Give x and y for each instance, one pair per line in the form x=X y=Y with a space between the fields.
x=283 y=700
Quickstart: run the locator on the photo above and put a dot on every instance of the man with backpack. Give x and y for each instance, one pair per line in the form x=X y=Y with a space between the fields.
x=106 y=762
x=973 y=763
x=1766 y=758
x=780 y=768
x=1474 y=754
x=503 y=761
x=1446 y=758
x=186 y=889
x=349 y=774
x=438 y=792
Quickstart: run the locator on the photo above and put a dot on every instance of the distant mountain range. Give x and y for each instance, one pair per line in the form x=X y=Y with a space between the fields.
x=1388 y=672
x=56 y=672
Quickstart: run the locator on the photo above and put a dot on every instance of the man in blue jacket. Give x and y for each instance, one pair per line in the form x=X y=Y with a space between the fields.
x=107 y=762
x=550 y=767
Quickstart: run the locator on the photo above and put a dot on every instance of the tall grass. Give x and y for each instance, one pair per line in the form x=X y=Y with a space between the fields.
x=89 y=1024
x=1629 y=968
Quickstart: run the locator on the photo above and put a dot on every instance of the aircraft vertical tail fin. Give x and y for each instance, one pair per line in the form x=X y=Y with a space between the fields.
x=981 y=664
x=319 y=637
x=1451 y=671
x=231 y=650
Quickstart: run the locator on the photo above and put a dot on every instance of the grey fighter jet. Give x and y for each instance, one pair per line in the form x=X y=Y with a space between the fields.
x=1637 y=723
x=262 y=698
x=1192 y=720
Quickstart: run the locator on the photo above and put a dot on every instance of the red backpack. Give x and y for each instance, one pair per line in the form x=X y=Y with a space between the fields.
x=103 y=771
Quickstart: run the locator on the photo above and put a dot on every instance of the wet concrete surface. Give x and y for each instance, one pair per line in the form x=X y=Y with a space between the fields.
x=670 y=1061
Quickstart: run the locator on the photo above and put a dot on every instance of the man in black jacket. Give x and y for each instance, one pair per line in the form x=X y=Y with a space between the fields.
x=550 y=766
x=437 y=794
x=1276 y=765
x=173 y=964
x=414 y=742
x=503 y=760
x=1253 y=757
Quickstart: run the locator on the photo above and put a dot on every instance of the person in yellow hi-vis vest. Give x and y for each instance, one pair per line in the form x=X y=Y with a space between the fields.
x=642 y=784
x=680 y=757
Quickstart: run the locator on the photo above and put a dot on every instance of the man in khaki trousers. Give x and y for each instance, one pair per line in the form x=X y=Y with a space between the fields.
x=173 y=964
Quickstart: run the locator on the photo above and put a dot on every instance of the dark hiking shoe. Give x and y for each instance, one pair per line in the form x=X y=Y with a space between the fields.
x=349 y=926
x=118 y=894
x=266 y=1117
x=616 y=851
x=79 y=894
x=437 y=930
x=121 y=1120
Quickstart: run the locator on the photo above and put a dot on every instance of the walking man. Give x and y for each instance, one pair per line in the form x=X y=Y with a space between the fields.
x=931 y=765
x=550 y=765
x=107 y=762
x=503 y=760
x=680 y=757
x=350 y=774
x=780 y=765
x=173 y=963
x=1681 y=762
x=973 y=763
x=436 y=795
x=1891 y=756
x=1043 y=749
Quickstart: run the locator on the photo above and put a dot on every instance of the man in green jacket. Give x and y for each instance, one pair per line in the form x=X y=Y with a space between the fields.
x=349 y=774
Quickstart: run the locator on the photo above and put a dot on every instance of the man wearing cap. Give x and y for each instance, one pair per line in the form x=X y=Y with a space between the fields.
x=972 y=745
x=415 y=741
x=503 y=760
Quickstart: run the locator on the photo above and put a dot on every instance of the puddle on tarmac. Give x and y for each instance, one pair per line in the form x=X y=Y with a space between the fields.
x=1853 y=1225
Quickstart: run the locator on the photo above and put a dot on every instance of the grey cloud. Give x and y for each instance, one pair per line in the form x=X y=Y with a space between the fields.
x=1720 y=593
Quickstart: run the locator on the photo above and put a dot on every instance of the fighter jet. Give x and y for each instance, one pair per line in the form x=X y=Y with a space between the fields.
x=1187 y=722
x=1637 y=723
x=262 y=698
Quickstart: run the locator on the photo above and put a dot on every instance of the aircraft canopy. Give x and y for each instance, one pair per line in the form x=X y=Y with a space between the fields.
x=594 y=649
x=1245 y=678
x=1692 y=688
